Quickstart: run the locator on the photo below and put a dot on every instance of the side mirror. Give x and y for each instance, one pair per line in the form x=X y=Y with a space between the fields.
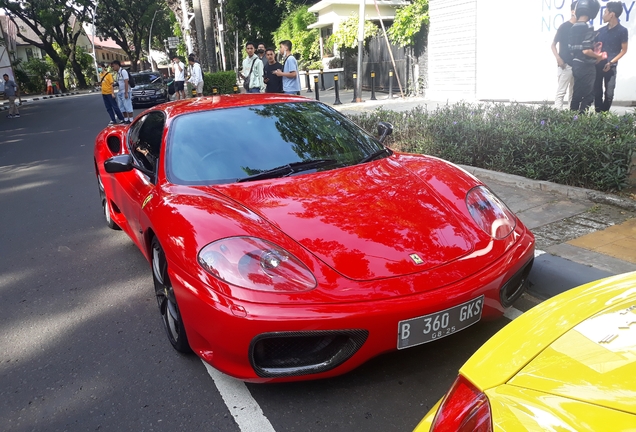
x=384 y=130
x=119 y=164
x=124 y=163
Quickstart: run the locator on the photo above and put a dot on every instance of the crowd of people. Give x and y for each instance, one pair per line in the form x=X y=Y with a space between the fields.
x=587 y=59
x=263 y=73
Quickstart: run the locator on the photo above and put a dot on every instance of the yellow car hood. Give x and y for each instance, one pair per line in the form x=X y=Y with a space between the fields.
x=594 y=362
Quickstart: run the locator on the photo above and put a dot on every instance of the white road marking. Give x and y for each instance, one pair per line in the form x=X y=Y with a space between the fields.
x=538 y=252
x=512 y=313
x=246 y=412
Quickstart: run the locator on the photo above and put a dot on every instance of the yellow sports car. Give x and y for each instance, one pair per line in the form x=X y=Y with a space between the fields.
x=569 y=364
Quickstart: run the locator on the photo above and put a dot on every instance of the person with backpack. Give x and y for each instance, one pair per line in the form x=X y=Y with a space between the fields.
x=124 y=94
x=108 y=94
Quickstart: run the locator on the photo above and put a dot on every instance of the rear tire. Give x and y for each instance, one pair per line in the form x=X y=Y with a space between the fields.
x=167 y=301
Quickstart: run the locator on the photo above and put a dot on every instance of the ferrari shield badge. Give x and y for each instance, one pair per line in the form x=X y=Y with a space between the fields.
x=416 y=259
x=148 y=198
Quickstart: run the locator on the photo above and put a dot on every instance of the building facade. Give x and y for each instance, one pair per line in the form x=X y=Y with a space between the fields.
x=493 y=50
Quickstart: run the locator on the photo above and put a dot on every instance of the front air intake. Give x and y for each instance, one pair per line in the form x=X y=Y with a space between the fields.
x=284 y=354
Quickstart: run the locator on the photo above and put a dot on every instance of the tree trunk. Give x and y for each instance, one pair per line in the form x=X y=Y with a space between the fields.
x=207 y=12
x=200 y=33
x=77 y=70
x=61 y=65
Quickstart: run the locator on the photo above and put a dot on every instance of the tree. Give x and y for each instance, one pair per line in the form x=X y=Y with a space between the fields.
x=127 y=22
x=346 y=36
x=410 y=27
x=207 y=12
x=304 y=41
x=52 y=21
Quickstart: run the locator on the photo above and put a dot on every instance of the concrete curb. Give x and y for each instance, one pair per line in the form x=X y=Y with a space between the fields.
x=568 y=191
x=5 y=105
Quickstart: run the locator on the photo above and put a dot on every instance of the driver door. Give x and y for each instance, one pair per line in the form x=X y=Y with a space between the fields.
x=144 y=144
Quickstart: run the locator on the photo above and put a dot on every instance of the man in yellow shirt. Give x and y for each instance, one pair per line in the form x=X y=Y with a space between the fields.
x=108 y=94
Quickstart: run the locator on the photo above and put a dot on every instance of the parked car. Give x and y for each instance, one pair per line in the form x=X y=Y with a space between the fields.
x=568 y=364
x=150 y=89
x=286 y=243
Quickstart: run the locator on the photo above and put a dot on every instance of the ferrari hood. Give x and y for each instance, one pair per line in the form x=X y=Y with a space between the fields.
x=367 y=221
x=594 y=362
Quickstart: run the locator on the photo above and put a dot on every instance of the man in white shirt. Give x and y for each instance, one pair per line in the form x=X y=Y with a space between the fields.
x=124 y=97
x=196 y=76
x=252 y=70
x=179 y=77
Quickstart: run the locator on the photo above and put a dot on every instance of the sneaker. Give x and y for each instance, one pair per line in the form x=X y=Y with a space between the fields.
x=126 y=122
x=16 y=116
x=10 y=116
x=110 y=123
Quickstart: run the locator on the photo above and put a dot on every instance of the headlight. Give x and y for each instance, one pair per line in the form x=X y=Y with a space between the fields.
x=255 y=264
x=490 y=213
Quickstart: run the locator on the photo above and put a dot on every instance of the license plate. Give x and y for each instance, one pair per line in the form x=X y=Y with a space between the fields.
x=427 y=328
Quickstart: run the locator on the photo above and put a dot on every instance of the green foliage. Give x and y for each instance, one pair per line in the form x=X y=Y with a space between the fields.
x=315 y=65
x=410 y=26
x=586 y=150
x=30 y=74
x=346 y=36
x=128 y=22
x=225 y=81
x=294 y=28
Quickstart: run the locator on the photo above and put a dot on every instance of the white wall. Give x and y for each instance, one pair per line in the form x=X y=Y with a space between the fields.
x=513 y=56
x=452 y=49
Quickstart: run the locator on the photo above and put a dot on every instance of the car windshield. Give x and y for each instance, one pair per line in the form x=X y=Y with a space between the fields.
x=146 y=78
x=263 y=141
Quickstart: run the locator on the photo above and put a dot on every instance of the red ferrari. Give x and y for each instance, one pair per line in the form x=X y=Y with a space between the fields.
x=286 y=243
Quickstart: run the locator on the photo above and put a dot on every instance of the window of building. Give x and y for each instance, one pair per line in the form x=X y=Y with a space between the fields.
x=29 y=53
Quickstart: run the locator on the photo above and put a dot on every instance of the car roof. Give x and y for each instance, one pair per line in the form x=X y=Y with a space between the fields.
x=206 y=103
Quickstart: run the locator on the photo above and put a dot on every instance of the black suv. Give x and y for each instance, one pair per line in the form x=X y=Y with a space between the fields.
x=150 y=89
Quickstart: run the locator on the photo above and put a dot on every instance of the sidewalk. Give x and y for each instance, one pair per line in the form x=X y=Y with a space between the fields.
x=583 y=226
x=4 y=105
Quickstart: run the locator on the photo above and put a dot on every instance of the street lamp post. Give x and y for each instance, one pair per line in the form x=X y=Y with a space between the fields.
x=165 y=44
x=95 y=55
x=152 y=65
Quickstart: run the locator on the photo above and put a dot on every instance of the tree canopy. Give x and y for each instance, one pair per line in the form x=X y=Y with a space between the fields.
x=127 y=22
x=346 y=36
x=294 y=28
x=410 y=26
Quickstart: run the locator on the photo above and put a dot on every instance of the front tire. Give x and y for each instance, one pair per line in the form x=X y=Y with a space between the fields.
x=105 y=205
x=167 y=301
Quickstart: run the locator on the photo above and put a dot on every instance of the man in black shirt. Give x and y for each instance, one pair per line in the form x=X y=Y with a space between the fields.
x=273 y=83
x=564 y=59
x=585 y=59
x=614 y=39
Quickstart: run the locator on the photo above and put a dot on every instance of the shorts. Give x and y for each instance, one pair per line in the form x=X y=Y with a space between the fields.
x=178 y=86
x=125 y=105
x=200 y=88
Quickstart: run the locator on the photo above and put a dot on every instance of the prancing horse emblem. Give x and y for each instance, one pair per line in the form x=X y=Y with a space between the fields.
x=416 y=259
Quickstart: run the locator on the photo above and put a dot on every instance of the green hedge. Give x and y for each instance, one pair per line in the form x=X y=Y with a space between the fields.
x=587 y=150
x=225 y=81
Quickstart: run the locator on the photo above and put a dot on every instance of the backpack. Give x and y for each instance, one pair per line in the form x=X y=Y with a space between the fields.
x=131 y=80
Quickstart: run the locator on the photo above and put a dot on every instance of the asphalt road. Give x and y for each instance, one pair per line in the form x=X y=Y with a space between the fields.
x=81 y=343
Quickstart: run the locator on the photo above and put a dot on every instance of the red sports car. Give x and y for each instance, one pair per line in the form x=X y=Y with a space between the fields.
x=287 y=243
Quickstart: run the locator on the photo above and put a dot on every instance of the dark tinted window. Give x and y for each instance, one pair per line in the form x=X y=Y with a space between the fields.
x=225 y=145
x=147 y=78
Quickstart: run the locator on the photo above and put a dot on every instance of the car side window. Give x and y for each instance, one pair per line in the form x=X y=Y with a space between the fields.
x=146 y=137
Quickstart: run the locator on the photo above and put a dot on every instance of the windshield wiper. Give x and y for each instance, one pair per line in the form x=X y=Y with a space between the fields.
x=376 y=155
x=289 y=169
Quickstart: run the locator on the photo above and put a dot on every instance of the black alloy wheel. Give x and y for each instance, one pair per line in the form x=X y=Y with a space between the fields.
x=105 y=206
x=167 y=300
